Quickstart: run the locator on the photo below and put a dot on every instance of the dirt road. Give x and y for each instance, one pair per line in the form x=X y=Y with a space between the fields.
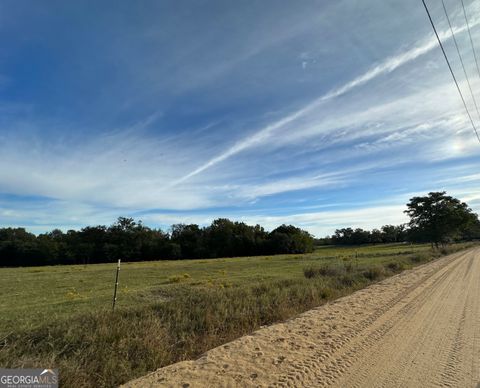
x=417 y=329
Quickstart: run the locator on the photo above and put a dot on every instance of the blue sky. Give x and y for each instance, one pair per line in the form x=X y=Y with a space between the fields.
x=323 y=114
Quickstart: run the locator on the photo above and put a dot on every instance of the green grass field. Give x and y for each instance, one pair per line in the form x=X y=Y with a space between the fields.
x=167 y=311
x=34 y=296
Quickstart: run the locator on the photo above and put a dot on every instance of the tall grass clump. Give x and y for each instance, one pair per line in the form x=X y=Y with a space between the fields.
x=324 y=270
x=396 y=266
x=374 y=273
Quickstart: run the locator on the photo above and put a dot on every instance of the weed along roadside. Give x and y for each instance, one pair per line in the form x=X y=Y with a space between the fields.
x=179 y=315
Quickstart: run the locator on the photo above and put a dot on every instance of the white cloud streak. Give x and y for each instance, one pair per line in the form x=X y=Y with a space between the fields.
x=387 y=66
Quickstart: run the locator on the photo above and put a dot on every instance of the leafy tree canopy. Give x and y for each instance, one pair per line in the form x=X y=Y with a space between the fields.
x=439 y=218
x=132 y=241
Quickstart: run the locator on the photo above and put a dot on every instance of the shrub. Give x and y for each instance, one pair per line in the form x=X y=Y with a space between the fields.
x=420 y=257
x=348 y=267
x=175 y=279
x=347 y=280
x=326 y=293
x=324 y=270
x=374 y=273
x=310 y=272
x=395 y=266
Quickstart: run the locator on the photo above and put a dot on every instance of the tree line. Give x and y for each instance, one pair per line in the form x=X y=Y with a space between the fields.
x=358 y=236
x=436 y=218
x=130 y=240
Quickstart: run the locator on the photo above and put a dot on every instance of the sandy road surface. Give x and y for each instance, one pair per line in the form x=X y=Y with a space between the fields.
x=417 y=329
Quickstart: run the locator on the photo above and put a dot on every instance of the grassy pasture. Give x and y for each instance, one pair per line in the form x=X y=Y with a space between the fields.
x=34 y=296
x=60 y=316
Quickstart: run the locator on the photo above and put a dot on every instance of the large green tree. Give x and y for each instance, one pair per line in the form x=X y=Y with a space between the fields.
x=438 y=217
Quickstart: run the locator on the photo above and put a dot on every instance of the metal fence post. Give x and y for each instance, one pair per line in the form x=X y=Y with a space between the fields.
x=116 y=285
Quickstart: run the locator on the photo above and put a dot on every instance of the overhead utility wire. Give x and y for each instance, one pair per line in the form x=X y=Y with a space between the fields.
x=461 y=60
x=471 y=40
x=450 y=68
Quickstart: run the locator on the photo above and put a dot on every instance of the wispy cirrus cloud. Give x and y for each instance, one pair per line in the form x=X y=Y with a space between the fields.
x=387 y=66
x=133 y=131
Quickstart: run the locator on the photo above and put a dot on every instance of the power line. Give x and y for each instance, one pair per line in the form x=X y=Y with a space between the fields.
x=461 y=60
x=471 y=40
x=450 y=68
